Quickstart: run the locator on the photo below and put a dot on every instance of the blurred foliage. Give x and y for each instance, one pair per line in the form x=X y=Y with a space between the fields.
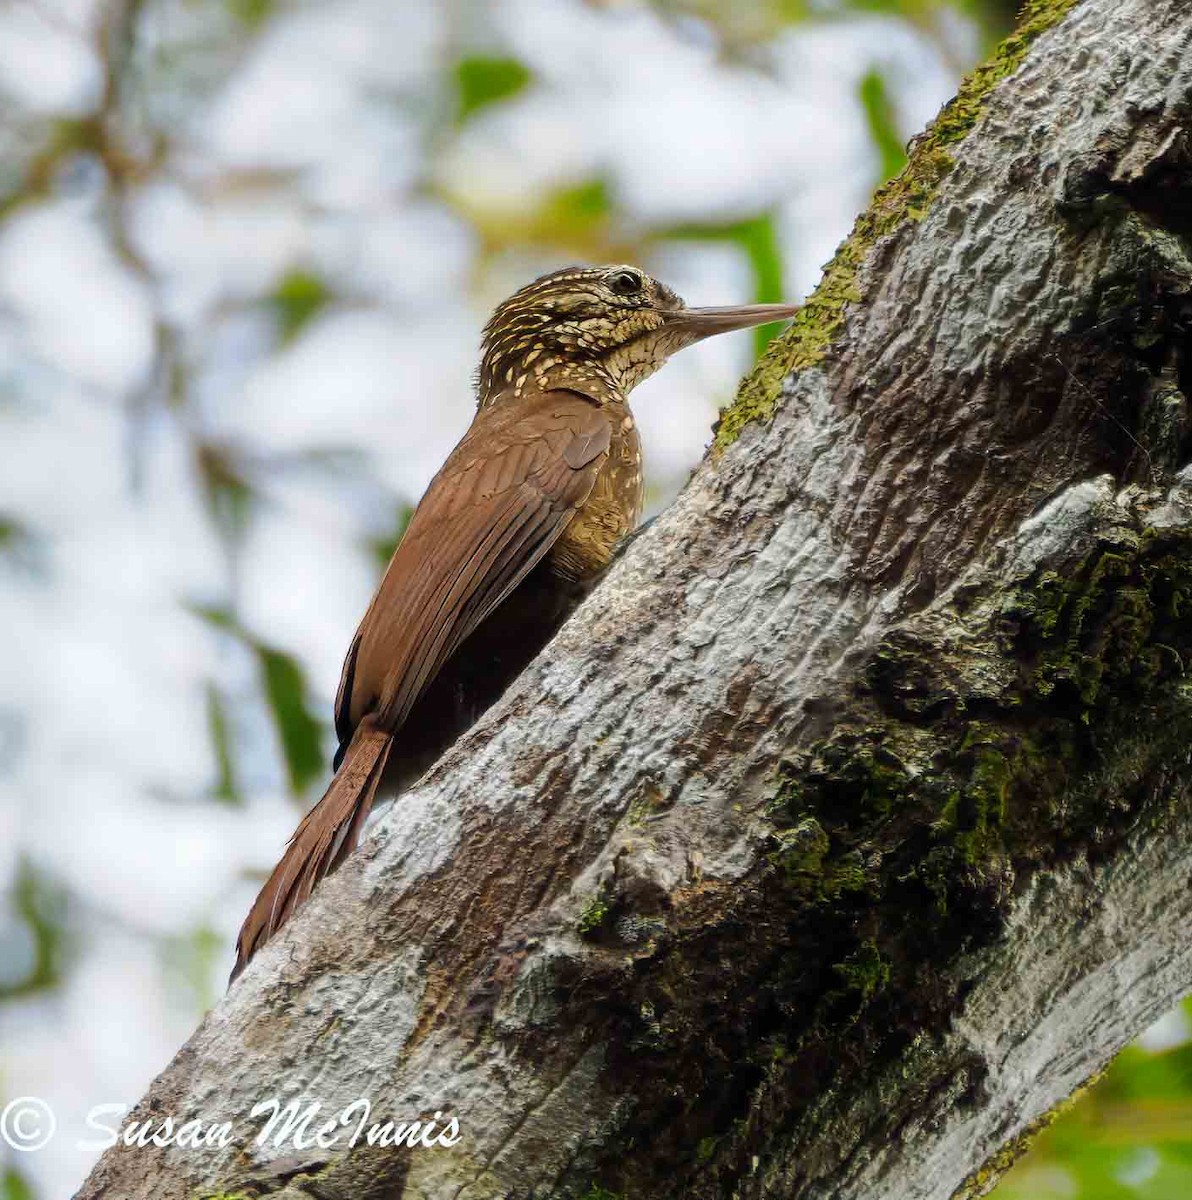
x=296 y=301
x=30 y=171
x=577 y=219
x=190 y=964
x=18 y=545
x=1131 y=1134
x=10 y=532
x=251 y=13
x=1129 y=1137
x=481 y=81
x=288 y=696
x=226 y=487
x=219 y=727
x=758 y=239
x=747 y=24
x=585 y=204
x=14 y=1186
x=383 y=546
x=37 y=917
x=883 y=128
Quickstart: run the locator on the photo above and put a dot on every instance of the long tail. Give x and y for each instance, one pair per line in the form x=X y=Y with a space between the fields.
x=326 y=836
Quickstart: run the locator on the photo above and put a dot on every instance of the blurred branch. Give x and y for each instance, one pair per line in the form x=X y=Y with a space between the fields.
x=116 y=47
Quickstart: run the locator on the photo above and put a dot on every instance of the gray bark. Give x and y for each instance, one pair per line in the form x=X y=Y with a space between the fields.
x=844 y=830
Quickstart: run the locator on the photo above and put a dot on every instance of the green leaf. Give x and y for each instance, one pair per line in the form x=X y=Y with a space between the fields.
x=383 y=545
x=287 y=692
x=251 y=13
x=226 y=488
x=1129 y=1137
x=994 y=18
x=298 y=298
x=19 y=546
x=219 y=617
x=14 y=1186
x=219 y=727
x=575 y=218
x=758 y=238
x=584 y=203
x=483 y=80
x=39 y=903
x=190 y=962
x=883 y=128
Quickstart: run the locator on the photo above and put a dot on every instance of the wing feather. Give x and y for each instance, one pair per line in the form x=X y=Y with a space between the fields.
x=490 y=515
x=501 y=500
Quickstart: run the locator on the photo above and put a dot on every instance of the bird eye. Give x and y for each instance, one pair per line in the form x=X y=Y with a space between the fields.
x=625 y=283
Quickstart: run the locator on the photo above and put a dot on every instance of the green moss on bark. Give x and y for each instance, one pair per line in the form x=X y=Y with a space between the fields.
x=940 y=794
x=981 y=1181
x=595 y=913
x=865 y=971
x=364 y=1173
x=989 y=740
x=904 y=198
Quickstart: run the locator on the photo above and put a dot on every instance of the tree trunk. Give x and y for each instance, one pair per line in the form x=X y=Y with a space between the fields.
x=845 y=829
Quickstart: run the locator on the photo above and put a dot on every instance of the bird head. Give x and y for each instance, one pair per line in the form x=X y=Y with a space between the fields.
x=600 y=330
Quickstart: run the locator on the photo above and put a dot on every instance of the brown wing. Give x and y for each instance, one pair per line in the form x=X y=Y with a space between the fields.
x=501 y=500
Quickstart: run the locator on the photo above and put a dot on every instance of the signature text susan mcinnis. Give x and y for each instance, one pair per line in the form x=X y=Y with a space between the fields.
x=292 y=1126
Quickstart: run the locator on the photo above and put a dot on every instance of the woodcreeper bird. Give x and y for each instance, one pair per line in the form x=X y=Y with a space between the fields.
x=522 y=519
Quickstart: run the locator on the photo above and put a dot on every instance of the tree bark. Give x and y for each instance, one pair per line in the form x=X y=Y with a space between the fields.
x=844 y=831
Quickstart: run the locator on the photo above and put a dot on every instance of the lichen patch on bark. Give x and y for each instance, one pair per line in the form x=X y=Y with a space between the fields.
x=904 y=198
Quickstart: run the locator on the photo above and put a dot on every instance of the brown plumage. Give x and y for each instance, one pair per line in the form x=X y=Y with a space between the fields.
x=519 y=523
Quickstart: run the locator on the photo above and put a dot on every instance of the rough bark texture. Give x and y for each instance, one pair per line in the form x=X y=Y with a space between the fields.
x=845 y=830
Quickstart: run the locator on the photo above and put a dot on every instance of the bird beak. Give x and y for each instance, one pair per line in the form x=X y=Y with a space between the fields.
x=695 y=324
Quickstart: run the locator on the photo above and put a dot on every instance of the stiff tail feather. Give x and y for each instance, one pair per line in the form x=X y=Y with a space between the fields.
x=326 y=836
